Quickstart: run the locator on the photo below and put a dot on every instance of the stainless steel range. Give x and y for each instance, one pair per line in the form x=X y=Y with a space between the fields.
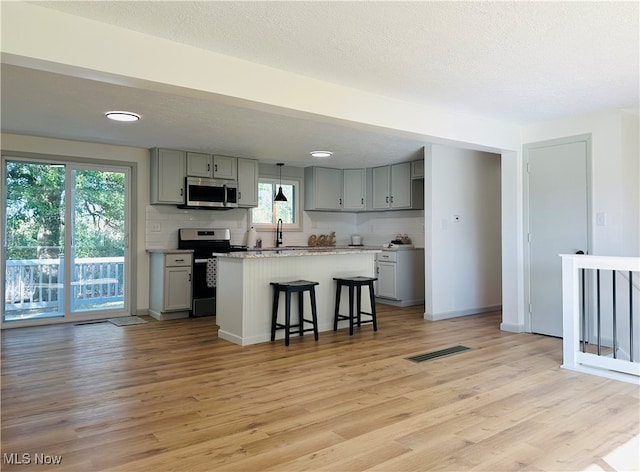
x=205 y=243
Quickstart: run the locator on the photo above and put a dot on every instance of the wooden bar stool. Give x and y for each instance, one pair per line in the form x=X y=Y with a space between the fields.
x=353 y=283
x=299 y=287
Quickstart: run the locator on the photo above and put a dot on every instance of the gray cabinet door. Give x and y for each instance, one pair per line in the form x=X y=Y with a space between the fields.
x=247 y=182
x=381 y=196
x=400 y=185
x=354 y=189
x=167 y=176
x=328 y=188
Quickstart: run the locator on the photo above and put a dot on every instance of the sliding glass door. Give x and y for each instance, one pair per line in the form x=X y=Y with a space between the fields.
x=65 y=240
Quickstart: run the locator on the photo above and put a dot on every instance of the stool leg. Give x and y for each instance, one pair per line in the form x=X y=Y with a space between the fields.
x=287 y=317
x=274 y=313
x=372 y=296
x=314 y=314
x=351 y=310
x=335 y=317
x=359 y=304
x=300 y=315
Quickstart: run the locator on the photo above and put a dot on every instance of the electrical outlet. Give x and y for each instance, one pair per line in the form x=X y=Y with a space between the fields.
x=156 y=227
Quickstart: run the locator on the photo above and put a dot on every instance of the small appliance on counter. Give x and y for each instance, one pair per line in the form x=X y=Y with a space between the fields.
x=402 y=241
x=356 y=240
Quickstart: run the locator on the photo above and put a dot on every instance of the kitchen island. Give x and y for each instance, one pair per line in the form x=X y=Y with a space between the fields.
x=245 y=297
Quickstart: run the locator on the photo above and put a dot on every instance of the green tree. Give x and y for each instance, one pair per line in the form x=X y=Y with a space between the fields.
x=34 y=210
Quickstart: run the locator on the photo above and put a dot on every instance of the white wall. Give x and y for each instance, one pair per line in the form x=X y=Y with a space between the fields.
x=615 y=175
x=631 y=173
x=464 y=273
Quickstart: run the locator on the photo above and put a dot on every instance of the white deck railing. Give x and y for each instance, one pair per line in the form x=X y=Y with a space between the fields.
x=37 y=284
x=601 y=298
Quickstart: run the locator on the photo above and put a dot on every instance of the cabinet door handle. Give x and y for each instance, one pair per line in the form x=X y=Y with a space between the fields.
x=179 y=260
x=362 y=201
x=340 y=201
x=189 y=277
x=208 y=167
x=181 y=190
x=387 y=198
x=239 y=195
x=391 y=198
x=215 y=167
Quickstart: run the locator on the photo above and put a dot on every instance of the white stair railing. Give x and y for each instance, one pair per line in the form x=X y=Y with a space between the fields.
x=601 y=297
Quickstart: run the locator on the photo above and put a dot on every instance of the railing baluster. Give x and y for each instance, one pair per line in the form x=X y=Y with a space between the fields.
x=101 y=271
x=615 y=327
x=583 y=309
x=598 y=310
x=630 y=316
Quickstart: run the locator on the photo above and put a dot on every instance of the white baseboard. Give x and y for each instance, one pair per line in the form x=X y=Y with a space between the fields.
x=400 y=303
x=512 y=328
x=458 y=313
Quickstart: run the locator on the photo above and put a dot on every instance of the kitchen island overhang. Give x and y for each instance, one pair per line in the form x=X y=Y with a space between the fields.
x=245 y=296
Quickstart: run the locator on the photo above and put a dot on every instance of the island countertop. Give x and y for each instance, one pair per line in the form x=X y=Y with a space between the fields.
x=297 y=252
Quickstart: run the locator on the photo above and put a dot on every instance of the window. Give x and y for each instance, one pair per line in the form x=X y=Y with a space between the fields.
x=266 y=215
x=66 y=240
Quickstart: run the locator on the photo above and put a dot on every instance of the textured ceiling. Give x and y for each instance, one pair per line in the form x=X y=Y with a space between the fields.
x=522 y=62
x=518 y=61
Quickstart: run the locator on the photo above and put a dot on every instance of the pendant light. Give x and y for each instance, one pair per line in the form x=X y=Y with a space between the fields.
x=280 y=196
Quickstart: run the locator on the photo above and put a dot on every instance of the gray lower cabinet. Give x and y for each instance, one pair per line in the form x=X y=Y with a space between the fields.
x=170 y=287
x=400 y=277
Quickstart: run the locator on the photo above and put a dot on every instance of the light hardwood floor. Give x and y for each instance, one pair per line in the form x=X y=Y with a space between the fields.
x=170 y=395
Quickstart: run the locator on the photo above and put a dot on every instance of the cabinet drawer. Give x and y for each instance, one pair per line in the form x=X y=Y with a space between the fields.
x=386 y=256
x=177 y=260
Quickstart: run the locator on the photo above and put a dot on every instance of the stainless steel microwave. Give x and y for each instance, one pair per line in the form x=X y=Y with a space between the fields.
x=210 y=193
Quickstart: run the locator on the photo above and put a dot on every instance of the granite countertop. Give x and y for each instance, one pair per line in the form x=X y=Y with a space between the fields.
x=171 y=251
x=298 y=251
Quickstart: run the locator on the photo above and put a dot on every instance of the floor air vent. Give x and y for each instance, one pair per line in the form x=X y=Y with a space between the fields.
x=437 y=354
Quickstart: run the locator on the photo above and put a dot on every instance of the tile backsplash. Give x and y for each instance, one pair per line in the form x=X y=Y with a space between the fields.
x=376 y=228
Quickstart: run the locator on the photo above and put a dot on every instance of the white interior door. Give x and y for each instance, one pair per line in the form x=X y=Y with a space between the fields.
x=558 y=216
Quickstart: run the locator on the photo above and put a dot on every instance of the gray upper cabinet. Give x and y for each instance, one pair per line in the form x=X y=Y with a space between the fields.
x=168 y=169
x=247 y=182
x=225 y=167
x=322 y=188
x=354 y=186
x=199 y=164
x=401 y=185
x=417 y=169
x=380 y=187
x=207 y=165
x=391 y=187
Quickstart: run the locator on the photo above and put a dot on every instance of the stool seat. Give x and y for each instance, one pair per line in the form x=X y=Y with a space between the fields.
x=357 y=280
x=296 y=284
x=299 y=287
x=353 y=283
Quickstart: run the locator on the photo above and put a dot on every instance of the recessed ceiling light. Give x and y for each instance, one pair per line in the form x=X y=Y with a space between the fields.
x=122 y=116
x=321 y=153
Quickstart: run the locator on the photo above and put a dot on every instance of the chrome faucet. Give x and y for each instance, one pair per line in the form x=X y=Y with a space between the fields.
x=279 y=233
